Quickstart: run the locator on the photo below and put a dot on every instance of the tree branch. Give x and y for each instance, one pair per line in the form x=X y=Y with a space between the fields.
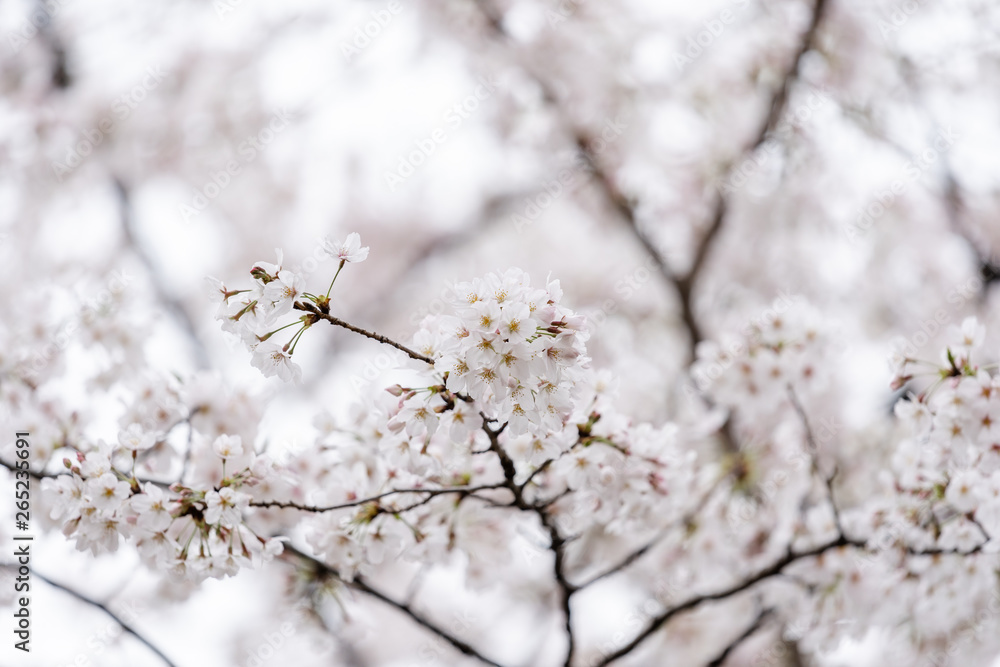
x=31 y=473
x=315 y=310
x=644 y=549
x=431 y=493
x=776 y=568
x=762 y=616
x=557 y=542
x=359 y=584
x=779 y=104
x=117 y=619
x=827 y=480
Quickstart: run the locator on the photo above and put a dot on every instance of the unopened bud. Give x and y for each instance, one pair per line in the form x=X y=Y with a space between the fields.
x=261 y=275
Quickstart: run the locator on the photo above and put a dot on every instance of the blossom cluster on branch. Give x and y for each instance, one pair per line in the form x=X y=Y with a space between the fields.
x=502 y=428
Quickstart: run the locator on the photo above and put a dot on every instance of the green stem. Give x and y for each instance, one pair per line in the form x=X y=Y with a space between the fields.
x=295 y=340
x=271 y=333
x=342 y=262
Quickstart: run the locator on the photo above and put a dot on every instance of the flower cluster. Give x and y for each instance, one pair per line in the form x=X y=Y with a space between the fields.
x=254 y=314
x=949 y=467
x=754 y=368
x=511 y=348
x=503 y=433
x=194 y=529
x=506 y=370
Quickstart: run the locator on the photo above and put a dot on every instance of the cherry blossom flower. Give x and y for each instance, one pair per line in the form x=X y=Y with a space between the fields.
x=272 y=360
x=225 y=507
x=281 y=293
x=136 y=439
x=106 y=492
x=153 y=509
x=349 y=250
x=228 y=446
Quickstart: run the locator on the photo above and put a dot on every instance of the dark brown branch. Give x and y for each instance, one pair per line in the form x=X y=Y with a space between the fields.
x=775 y=569
x=557 y=543
x=375 y=308
x=431 y=493
x=312 y=308
x=94 y=603
x=31 y=473
x=50 y=475
x=61 y=77
x=758 y=622
x=359 y=584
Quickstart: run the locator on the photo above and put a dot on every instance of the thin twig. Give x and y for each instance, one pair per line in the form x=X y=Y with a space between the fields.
x=644 y=549
x=431 y=493
x=312 y=308
x=762 y=616
x=31 y=473
x=117 y=619
x=774 y=569
x=359 y=584
x=827 y=480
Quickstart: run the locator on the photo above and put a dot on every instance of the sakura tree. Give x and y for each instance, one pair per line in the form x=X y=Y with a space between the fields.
x=623 y=334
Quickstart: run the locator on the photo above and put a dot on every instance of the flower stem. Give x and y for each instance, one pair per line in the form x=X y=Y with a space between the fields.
x=342 y=262
x=271 y=333
x=295 y=340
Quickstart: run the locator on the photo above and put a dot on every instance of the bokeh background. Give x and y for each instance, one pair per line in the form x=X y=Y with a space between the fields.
x=851 y=163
